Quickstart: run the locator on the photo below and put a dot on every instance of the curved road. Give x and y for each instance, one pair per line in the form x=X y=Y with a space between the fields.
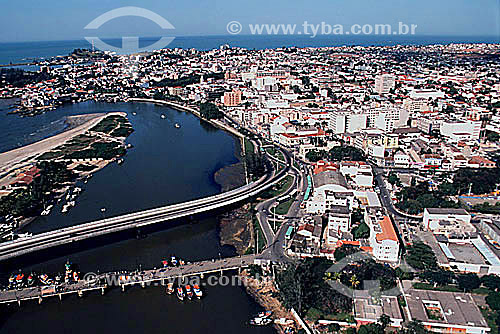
x=134 y=220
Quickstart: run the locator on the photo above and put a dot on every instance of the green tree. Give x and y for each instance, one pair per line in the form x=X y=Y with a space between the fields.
x=209 y=110
x=393 y=179
x=345 y=250
x=493 y=300
x=414 y=327
x=439 y=276
x=468 y=282
x=493 y=137
x=491 y=281
x=420 y=256
x=362 y=231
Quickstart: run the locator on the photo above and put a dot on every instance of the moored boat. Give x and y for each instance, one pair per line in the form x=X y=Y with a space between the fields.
x=31 y=280
x=19 y=279
x=258 y=321
x=45 y=280
x=265 y=314
x=170 y=288
x=189 y=292
x=180 y=293
x=197 y=291
x=173 y=260
x=165 y=263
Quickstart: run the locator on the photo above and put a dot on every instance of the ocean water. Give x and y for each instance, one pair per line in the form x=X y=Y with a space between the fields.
x=21 y=52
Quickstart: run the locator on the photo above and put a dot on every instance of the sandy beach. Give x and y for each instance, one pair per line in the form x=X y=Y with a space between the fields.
x=18 y=157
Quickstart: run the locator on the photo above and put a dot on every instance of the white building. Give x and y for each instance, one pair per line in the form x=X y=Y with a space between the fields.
x=433 y=217
x=383 y=238
x=457 y=130
x=384 y=83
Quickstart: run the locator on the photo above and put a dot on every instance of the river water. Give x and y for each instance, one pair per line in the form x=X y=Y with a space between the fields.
x=166 y=165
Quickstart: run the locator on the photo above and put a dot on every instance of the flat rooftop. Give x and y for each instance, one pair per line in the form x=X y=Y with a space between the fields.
x=457 y=308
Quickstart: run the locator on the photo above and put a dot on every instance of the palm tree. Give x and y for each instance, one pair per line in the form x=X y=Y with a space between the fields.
x=354 y=281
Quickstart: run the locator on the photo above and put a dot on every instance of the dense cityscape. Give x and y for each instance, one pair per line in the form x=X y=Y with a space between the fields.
x=295 y=189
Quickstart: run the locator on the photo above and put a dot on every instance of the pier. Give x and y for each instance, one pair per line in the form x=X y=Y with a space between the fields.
x=144 y=278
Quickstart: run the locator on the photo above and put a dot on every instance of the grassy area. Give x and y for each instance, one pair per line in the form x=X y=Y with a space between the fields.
x=314 y=314
x=114 y=125
x=282 y=208
x=275 y=153
x=248 y=146
x=279 y=188
x=481 y=291
x=258 y=231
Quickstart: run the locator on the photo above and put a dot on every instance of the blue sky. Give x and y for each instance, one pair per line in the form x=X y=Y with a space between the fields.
x=31 y=20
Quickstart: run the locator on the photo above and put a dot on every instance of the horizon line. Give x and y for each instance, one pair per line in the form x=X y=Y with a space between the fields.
x=266 y=35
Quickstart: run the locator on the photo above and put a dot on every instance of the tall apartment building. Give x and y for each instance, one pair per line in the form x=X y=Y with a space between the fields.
x=232 y=99
x=384 y=83
x=347 y=121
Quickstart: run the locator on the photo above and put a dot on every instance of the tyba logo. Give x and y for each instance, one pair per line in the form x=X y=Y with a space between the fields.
x=129 y=44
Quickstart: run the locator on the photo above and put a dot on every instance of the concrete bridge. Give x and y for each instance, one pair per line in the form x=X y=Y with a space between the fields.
x=151 y=277
x=97 y=228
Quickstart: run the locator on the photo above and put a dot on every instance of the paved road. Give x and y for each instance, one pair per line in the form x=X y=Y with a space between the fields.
x=138 y=219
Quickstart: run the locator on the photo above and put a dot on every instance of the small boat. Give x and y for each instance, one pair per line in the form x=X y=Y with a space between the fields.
x=120 y=161
x=134 y=113
x=189 y=292
x=44 y=279
x=165 y=263
x=75 y=276
x=19 y=279
x=258 y=321
x=180 y=293
x=265 y=314
x=177 y=125
x=67 y=278
x=163 y=116
x=181 y=262
x=31 y=280
x=170 y=288
x=67 y=266
x=173 y=260
x=58 y=279
x=197 y=291
x=46 y=212
x=12 y=279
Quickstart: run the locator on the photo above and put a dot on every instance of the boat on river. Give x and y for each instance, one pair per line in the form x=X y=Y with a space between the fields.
x=180 y=293
x=189 y=292
x=259 y=321
x=170 y=288
x=197 y=291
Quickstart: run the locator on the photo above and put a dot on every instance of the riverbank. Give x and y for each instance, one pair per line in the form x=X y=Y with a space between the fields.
x=56 y=163
x=264 y=292
x=18 y=157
